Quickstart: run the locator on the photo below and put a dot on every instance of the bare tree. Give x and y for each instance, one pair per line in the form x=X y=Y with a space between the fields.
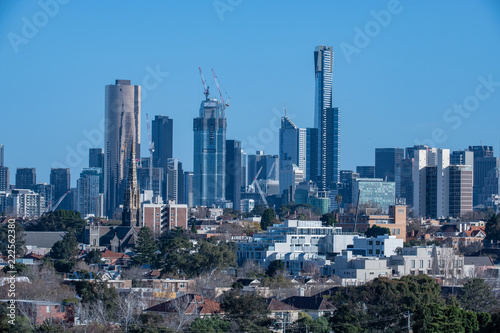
x=127 y=309
x=180 y=317
x=206 y=283
x=250 y=268
x=93 y=313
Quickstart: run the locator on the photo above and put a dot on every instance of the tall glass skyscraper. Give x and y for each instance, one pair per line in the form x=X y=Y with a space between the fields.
x=293 y=144
x=209 y=153
x=326 y=119
x=122 y=127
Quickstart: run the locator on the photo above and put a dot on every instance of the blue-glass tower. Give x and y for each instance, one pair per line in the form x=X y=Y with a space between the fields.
x=209 y=153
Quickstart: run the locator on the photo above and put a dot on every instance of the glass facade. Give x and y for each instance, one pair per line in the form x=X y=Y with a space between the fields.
x=374 y=193
x=209 y=154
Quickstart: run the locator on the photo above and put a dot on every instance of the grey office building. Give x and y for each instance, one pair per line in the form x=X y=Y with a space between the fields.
x=385 y=162
x=209 y=167
x=484 y=161
x=25 y=178
x=122 y=127
x=61 y=180
x=4 y=171
x=233 y=173
x=96 y=158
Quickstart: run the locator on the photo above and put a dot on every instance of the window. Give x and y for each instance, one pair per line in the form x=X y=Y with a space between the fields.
x=370 y=243
x=377 y=252
x=48 y=308
x=378 y=243
x=398 y=232
x=421 y=264
x=370 y=251
x=428 y=264
x=182 y=285
x=413 y=264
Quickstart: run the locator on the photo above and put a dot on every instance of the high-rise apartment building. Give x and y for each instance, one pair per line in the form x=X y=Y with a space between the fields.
x=460 y=190
x=431 y=188
x=292 y=144
x=233 y=173
x=46 y=192
x=4 y=178
x=188 y=189
x=209 y=169
x=326 y=119
x=96 y=158
x=484 y=161
x=163 y=138
x=61 y=180
x=122 y=127
x=385 y=162
x=312 y=151
x=90 y=200
x=347 y=177
x=25 y=178
x=404 y=180
x=174 y=181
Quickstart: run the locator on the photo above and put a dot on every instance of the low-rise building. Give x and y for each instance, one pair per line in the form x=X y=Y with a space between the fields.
x=357 y=270
x=380 y=246
x=297 y=243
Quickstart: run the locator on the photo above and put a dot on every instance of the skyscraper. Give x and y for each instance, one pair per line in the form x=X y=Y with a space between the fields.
x=96 y=158
x=25 y=178
x=209 y=169
x=60 y=179
x=431 y=186
x=233 y=173
x=4 y=171
x=122 y=127
x=174 y=181
x=292 y=144
x=162 y=137
x=385 y=162
x=366 y=171
x=326 y=119
x=460 y=190
x=131 y=216
x=89 y=199
x=484 y=161
x=312 y=151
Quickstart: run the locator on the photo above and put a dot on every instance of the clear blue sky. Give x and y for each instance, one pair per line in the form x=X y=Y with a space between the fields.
x=394 y=89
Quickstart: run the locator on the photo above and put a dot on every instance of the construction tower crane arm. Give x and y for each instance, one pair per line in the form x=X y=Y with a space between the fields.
x=53 y=208
x=224 y=104
x=259 y=189
x=205 y=88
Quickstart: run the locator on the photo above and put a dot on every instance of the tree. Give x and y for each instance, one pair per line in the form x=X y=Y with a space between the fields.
x=329 y=219
x=478 y=296
x=258 y=210
x=267 y=219
x=275 y=267
x=338 y=199
x=93 y=257
x=66 y=248
x=210 y=325
x=19 y=241
x=375 y=231
x=145 y=247
x=60 y=220
x=249 y=306
x=493 y=228
x=193 y=227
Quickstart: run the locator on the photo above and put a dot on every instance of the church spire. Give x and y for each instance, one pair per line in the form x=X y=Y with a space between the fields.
x=131 y=216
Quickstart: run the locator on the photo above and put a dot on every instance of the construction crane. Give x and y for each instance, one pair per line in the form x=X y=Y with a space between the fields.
x=53 y=208
x=151 y=150
x=205 y=87
x=224 y=104
x=256 y=183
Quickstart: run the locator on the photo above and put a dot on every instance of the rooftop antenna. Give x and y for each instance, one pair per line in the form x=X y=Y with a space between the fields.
x=284 y=103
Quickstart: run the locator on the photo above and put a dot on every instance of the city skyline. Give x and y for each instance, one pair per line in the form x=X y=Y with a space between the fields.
x=391 y=96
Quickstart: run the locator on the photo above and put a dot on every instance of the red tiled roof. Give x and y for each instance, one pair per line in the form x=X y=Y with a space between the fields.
x=110 y=254
x=276 y=305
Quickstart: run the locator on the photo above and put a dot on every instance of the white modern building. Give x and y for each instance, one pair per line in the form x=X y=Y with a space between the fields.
x=357 y=270
x=297 y=243
x=22 y=203
x=380 y=246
